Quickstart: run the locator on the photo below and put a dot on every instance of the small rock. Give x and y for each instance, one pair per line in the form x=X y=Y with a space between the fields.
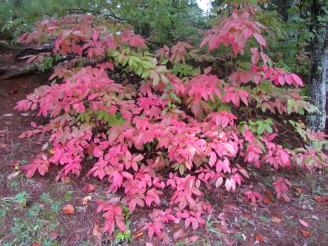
x=25 y=114
x=8 y=115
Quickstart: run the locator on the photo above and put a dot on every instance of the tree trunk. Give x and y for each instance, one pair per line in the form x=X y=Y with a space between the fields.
x=317 y=84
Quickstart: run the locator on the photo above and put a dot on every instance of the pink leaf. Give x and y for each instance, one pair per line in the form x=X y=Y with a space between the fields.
x=193 y=239
x=259 y=38
x=297 y=79
x=303 y=223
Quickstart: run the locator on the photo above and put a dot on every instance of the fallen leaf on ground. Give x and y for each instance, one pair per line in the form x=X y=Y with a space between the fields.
x=13 y=175
x=259 y=238
x=268 y=193
x=180 y=234
x=88 y=188
x=320 y=198
x=86 y=200
x=231 y=209
x=303 y=223
x=286 y=198
x=53 y=236
x=267 y=200
x=223 y=228
x=66 y=180
x=306 y=233
x=68 y=209
x=51 y=152
x=275 y=219
x=138 y=234
x=193 y=239
x=23 y=135
x=299 y=190
x=97 y=233
x=15 y=164
x=36 y=244
x=3 y=146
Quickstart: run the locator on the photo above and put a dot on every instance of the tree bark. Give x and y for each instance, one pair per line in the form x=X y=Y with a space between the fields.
x=317 y=84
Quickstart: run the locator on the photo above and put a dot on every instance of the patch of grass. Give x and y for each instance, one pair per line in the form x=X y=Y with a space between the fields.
x=68 y=195
x=56 y=206
x=45 y=197
x=19 y=199
x=19 y=182
x=211 y=227
x=31 y=228
x=14 y=185
x=204 y=242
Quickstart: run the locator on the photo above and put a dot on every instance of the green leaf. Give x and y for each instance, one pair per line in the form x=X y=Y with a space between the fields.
x=164 y=112
x=260 y=128
x=290 y=106
x=156 y=80
x=172 y=94
x=181 y=169
x=165 y=79
x=225 y=107
x=268 y=128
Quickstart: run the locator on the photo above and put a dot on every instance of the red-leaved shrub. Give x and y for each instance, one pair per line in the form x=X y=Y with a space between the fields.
x=154 y=133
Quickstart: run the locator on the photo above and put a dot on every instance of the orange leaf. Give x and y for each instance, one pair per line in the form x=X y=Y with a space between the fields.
x=299 y=190
x=68 y=209
x=138 y=234
x=23 y=135
x=66 y=180
x=22 y=205
x=259 y=238
x=268 y=193
x=36 y=244
x=267 y=200
x=275 y=219
x=306 y=233
x=51 y=152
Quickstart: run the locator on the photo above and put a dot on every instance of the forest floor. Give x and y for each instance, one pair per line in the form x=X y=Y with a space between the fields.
x=31 y=210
